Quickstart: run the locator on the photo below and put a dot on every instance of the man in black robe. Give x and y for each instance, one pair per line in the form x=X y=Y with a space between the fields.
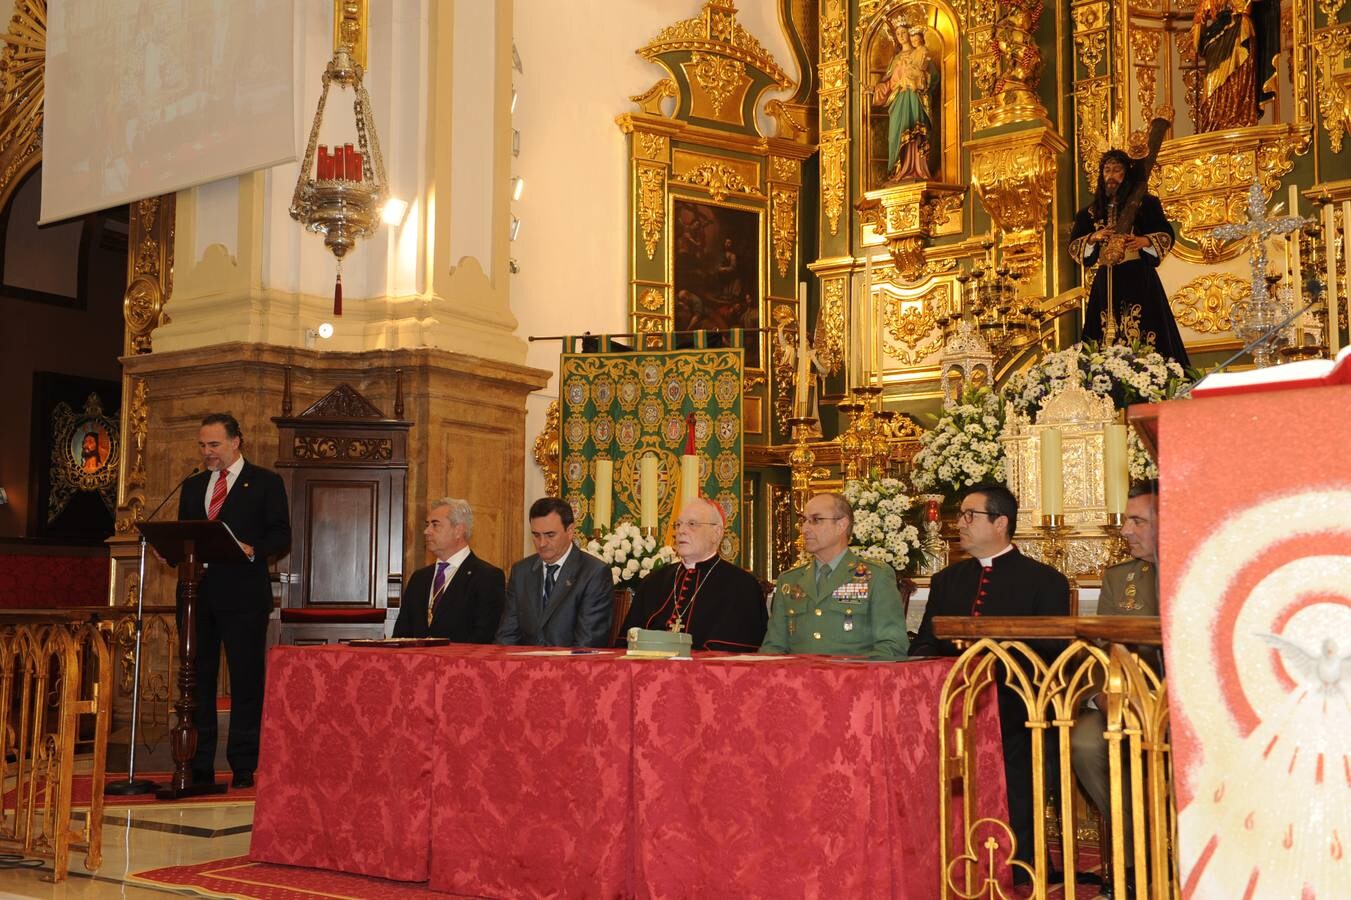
x=720 y=605
x=997 y=580
x=1140 y=307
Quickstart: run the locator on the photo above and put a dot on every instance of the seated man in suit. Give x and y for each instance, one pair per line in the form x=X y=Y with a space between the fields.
x=1128 y=589
x=719 y=604
x=839 y=602
x=560 y=596
x=997 y=580
x=461 y=596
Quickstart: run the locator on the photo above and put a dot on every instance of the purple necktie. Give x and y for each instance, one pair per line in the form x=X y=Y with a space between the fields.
x=438 y=585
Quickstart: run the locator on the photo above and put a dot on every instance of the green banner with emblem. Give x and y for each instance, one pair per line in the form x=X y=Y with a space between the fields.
x=625 y=405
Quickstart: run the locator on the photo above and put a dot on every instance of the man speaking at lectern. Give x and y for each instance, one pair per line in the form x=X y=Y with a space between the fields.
x=234 y=601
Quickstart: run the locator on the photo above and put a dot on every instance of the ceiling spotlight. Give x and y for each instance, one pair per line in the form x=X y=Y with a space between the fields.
x=513 y=266
x=515 y=142
x=517 y=187
x=393 y=211
x=516 y=59
x=514 y=97
x=515 y=227
x=326 y=330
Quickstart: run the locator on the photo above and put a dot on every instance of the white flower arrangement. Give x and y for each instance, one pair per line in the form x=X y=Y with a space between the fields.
x=963 y=449
x=1127 y=374
x=881 y=532
x=629 y=555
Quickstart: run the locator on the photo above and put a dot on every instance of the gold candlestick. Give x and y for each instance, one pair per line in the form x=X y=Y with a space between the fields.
x=1057 y=547
x=802 y=461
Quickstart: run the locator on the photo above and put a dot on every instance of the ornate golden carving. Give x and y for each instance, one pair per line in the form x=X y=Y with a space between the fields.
x=719 y=78
x=1145 y=51
x=715 y=30
x=651 y=206
x=783 y=226
x=906 y=216
x=833 y=30
x=1014 y=176
x=1090 y=110
x=1005 y=62
x=546 y=450
x=1206 y=303
x=718 y=178
x=1334 y=108
x=134 y=428
x=656 y=147
x=834 y=164
x=649 y=101
x=652 y=300
x=829 y=334
x=788 y=124
x=911 y=323
x=151 y=250
x=1203 y=179
x=349 y=28
x=785 y=169
x=22 y=73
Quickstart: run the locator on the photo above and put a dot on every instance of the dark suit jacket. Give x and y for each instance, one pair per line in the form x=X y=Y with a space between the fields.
x=257 y=513
x=468 y=611
x=579 y=612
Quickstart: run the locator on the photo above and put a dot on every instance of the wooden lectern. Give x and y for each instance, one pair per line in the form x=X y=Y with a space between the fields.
x=1255 y=590
x=190 y=547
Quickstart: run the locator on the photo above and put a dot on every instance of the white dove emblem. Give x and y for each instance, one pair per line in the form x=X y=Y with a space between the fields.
x=1322 y=671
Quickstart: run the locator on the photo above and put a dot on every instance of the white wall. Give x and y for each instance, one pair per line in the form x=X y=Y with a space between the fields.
x=580 y=69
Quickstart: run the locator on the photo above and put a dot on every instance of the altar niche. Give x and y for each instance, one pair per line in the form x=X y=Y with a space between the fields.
x=910 y=96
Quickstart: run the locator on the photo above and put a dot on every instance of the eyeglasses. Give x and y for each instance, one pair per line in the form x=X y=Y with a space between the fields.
x=817 y=520
x=967 y=515
x=690 y=523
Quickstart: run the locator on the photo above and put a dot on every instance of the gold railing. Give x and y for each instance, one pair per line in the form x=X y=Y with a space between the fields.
x=55 y=685
x=1097 y=662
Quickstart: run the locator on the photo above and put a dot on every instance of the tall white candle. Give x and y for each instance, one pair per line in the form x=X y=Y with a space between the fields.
x=1296 y=281
x=1115 y=467
x=689 y=478
x=803 y=363
x=647 y=490
x=1052 y=485
x=1330 y=237
x=603 y=501
x=869 y=324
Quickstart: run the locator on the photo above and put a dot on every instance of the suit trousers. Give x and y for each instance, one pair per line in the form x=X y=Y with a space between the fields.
x=243 y=634
x=1089 y=751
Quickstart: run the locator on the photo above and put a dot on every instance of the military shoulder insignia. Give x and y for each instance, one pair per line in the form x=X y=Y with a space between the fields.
x=793 y=591
x=862 y=572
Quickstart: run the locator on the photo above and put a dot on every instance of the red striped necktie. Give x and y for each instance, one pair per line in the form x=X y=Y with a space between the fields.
x=218 y=495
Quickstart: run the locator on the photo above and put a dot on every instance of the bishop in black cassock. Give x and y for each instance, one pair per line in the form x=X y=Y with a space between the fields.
x=720 y=605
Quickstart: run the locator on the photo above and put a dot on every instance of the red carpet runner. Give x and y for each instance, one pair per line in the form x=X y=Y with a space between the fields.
x=238 y=877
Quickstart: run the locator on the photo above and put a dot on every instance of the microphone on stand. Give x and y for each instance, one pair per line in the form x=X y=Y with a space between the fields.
x=131 y=785
x=176 y=489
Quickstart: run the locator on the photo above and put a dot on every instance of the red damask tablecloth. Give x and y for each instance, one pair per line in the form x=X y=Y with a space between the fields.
x=490 y=773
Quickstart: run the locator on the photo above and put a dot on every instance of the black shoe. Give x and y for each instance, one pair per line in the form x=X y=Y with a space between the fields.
x=242 y=780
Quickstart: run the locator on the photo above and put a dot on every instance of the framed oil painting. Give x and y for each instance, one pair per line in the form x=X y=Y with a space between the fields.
x=716 y=269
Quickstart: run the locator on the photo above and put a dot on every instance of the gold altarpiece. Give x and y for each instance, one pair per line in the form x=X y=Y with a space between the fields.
x=1024 y=98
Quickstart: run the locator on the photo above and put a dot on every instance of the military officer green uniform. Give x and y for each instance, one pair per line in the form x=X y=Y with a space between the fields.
x=1130 y=588
x=855 y=610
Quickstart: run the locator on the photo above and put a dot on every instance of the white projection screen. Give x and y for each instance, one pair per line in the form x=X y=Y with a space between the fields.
x=147 y=97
